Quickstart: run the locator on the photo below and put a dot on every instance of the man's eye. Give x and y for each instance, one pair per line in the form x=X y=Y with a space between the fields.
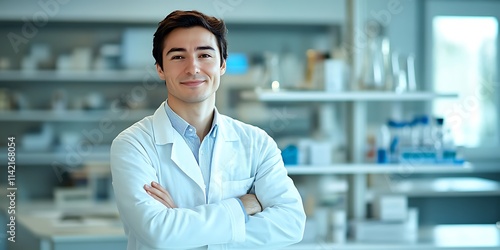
x=176 y=57
x=205 y=56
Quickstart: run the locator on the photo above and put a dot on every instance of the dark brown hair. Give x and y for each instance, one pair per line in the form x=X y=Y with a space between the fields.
x=187 y=19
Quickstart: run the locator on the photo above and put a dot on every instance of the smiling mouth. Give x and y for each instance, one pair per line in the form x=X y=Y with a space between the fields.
x=193 y=83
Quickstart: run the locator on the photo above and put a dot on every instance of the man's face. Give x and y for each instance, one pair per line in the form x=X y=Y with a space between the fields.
x=191 y=65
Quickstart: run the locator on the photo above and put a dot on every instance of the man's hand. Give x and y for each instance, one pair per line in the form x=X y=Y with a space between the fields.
x=251 y=204
x=160 y=194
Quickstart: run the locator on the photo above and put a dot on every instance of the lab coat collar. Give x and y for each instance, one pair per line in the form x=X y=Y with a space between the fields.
x=162 y=128
x=164 y=131
x=224 y=129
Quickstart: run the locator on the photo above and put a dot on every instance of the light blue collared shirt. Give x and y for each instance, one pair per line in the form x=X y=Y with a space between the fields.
x=203 y=151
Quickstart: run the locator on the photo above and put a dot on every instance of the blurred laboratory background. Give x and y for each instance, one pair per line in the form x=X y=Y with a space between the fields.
x=387 y=113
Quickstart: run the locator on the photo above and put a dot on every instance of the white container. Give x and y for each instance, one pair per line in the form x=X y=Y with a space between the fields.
x=304 y=146
x=320 y=153
x=72 y=197
x=370 y=231
x=391 y=207
x=322 y=218
x=81 y=59
x=339 y=226
x=335 y=75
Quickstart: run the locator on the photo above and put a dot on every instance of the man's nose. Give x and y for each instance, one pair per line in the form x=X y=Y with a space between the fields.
x=193 y=66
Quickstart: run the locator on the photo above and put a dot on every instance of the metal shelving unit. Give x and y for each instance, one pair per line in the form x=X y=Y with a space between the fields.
x=358 y=101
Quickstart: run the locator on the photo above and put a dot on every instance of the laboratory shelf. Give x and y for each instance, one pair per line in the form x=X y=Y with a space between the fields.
x=73 y=158
x=439 y=237
x=439 y=187
x=322 y=96
x=99 y=76
x=74 y=115
x=355 y=168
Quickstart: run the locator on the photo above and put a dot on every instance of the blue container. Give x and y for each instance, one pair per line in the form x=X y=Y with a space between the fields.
x=290 y=155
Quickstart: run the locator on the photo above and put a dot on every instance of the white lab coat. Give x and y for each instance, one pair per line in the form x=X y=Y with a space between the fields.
x=245 y=160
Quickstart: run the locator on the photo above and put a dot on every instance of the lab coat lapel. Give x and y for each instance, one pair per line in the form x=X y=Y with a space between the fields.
x=184 y=159
x=181 y=154
x=224 y=157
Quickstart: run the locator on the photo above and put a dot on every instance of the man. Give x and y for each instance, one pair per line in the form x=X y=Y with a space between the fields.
x=188 y=177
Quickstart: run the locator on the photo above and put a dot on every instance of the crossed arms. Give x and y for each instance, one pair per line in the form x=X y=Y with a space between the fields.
x=249 y=201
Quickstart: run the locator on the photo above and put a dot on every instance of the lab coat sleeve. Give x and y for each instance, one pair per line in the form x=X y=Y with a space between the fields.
x=159 y=227
x=282 y=221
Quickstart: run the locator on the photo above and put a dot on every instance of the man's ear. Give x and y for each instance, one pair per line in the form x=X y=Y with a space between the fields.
x=223 y=68
x=159 y=70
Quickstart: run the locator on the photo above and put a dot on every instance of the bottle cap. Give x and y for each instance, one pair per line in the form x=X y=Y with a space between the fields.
x=424 y=120
x=439 y=121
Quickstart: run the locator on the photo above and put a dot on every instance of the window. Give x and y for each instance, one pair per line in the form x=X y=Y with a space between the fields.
x=465 y=62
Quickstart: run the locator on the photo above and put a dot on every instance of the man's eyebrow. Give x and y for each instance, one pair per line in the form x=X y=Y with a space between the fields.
x=205 y=48
x=184 y=50
x=176 y=50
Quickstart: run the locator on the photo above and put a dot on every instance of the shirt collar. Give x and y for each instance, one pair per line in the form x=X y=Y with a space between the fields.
x=215 y=124
x=182 y=126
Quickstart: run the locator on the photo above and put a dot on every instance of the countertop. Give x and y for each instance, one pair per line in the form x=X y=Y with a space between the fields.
x=93 y=221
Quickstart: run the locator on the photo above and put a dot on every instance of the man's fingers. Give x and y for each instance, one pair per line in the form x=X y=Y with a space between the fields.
x=160 y=195
x=164 y=191
x=159 y=199
x=251 y=204
x=159 y=187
